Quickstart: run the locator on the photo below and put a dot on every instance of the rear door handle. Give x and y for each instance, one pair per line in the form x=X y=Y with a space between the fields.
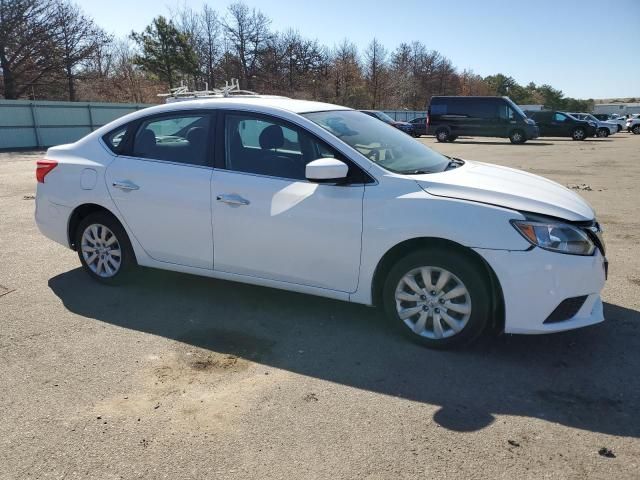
x=125 y=185
x=232 y=199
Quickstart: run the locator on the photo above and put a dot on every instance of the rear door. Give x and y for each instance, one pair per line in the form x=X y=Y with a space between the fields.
x=162 y=187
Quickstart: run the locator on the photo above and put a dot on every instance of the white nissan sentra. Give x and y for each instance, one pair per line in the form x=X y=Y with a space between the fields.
x=325 y=200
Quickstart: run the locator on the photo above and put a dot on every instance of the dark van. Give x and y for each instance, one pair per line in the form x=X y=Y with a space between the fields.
x=562 y=124
x=450 y=117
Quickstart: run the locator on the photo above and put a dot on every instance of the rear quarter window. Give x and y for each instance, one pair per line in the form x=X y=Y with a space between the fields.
x=115 y=139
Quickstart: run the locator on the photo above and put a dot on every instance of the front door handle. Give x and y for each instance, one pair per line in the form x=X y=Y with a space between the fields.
x=125 y=185
x=232 y=199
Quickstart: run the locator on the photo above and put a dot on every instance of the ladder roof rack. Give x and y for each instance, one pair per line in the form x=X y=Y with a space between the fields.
x=229 y=90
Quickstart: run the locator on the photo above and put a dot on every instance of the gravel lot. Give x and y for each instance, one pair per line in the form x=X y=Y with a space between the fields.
x=184 y=377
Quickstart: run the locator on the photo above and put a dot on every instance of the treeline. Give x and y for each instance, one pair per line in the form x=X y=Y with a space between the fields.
x=50 y=49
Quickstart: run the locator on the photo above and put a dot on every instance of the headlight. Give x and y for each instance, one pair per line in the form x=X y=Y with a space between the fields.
x=557 y=237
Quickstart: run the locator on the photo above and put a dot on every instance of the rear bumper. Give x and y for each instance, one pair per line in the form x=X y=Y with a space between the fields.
x=535 y=282
x=52 y=219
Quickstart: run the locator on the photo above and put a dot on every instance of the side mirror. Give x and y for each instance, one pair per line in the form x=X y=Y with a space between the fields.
x=326 y=170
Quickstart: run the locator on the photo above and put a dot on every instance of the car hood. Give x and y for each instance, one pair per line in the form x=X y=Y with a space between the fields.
x=402 y=124
x=507 y=187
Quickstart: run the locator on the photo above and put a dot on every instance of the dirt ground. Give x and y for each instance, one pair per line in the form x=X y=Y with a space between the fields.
x=181 y=377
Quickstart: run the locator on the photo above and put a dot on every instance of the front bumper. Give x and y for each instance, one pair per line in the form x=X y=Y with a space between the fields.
x=532 y=132
x=535 y=282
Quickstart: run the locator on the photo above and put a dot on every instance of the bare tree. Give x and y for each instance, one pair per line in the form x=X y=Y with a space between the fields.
x=26 y=43
x=247 y=31
x=211 y=43
x=78 y=39
x=375 y=67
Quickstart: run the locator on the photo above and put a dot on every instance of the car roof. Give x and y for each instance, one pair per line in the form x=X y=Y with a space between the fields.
x=280 y=103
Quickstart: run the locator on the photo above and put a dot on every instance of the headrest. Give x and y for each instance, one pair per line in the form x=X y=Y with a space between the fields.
x=146 y=139
x=271 y=137
x=196 y=135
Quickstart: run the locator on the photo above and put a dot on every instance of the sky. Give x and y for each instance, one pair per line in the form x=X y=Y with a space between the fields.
x=587 y=49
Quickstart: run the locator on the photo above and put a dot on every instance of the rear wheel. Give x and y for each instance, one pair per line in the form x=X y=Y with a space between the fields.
x=603 y=132
x=442 y=135
x=437 y=298
x=517 y=137
x=578 y=133
x=104 y=248
x=636 y=129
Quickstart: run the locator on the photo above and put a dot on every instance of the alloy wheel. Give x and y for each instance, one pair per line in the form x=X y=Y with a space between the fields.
x=433 y=302
x=101 y=250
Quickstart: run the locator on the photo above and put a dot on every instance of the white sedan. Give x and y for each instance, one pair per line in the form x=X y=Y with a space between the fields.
x=325 y=200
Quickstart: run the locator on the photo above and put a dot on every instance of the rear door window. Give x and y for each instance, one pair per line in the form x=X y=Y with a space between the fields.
x=179 y=138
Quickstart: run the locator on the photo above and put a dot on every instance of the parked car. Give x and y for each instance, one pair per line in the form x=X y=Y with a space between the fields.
x=419 y=125
x=561 y=124
x=619 y=121
x=325 y=200
x=603 y=129
x=406 y=127
x=633 y=125
x=450 y=117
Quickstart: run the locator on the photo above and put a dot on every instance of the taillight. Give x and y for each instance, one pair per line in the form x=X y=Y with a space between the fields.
x=428 y=120
x=43 y=167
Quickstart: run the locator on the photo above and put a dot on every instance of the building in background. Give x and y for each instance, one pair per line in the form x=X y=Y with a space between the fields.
x=617 y=108
x=531 y=108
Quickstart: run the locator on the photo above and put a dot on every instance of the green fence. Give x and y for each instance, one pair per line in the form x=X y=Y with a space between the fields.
x=39 y=124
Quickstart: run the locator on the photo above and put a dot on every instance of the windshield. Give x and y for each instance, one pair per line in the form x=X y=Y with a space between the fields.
x=383 y=144
x=516 y=108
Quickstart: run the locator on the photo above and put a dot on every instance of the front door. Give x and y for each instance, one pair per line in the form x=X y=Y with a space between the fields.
x=269 y=221
x=560 y=125
x=162 y=189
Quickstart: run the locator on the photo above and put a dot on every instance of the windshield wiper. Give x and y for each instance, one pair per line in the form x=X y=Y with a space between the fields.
x=417 y=172
x=453 y=163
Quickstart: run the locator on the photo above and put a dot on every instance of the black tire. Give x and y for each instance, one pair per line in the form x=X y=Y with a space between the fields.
x=127 y=257
x=452 y=138
x=464 y=270
x=635 y=129
x=517 y=137
x=442 y=135
x=603 y=132
x=578 y=134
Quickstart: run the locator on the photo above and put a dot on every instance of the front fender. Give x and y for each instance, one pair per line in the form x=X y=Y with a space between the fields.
x=413 y=214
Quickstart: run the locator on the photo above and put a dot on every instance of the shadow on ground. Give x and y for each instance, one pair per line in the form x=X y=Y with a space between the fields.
x=586 y=379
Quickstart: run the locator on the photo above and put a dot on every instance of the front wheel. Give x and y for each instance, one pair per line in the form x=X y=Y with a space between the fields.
x=437 y=298
x=603 y=133
x=442 y=135
x=636 y=130
x=104 y=248
x=579 y=133
x=517 y=137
